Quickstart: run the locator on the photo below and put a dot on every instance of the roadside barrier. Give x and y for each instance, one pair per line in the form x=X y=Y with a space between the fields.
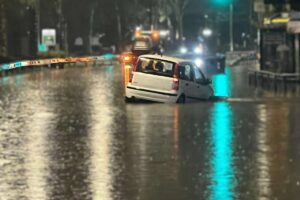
x=272 y=80
x=57 y=61
x=233 y=58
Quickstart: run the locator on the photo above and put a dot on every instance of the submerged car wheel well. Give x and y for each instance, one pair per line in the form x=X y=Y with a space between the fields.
x=181 y=99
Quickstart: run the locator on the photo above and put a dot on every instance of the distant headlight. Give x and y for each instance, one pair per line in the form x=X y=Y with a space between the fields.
x=199 y=62
x=198 y=50
x=183 y=50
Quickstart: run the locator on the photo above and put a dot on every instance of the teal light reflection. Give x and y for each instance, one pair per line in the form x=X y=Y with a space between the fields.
x=222 y=83
x=4 y=80
x=222 y=173
x=5 y=67
x=109 y=56
x=109 y=71
x=19 y=79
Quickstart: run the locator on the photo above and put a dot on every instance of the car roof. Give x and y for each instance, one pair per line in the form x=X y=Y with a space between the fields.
x=166 y=58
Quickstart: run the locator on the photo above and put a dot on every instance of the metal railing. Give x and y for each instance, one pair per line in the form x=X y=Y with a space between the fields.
x=263 y=78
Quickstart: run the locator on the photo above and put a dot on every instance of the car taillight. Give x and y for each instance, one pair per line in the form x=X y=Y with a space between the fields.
x=128 y=73
x=175 y=84
x=127 y=59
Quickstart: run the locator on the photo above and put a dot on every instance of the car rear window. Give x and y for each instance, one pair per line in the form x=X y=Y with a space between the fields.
x=156 y=67
x=142 y=44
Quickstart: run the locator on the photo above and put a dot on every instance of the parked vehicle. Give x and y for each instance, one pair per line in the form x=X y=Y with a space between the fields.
x=169 y=80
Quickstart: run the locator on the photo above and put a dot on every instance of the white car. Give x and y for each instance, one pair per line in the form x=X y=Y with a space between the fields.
x=168 y=80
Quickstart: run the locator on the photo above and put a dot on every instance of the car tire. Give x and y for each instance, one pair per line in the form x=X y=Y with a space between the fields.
x=181 y=100
x=128 y=100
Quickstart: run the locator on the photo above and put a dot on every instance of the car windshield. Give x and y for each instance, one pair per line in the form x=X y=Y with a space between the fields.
x=155 y=66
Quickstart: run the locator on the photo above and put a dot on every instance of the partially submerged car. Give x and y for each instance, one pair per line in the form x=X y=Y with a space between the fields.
x=169 y=80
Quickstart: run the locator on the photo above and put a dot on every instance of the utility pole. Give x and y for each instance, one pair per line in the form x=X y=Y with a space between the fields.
x=91 y=32
x=231 y=26
x=3 y=30
x=60 y=26
x=38 y=22
x=151 y=15
x=228 y=4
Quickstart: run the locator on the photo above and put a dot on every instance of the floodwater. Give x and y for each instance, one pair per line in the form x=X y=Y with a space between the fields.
x=67 y=134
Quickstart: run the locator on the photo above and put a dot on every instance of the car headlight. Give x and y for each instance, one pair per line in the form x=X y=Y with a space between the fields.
x=199 y=62
x=198 y=50
x=183 y=50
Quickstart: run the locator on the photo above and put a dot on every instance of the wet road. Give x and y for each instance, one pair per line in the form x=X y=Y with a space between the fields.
x=67 y=134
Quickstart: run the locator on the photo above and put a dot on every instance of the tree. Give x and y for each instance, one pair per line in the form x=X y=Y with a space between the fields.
x=13 y=25
x=173 y=11
x=3 y=30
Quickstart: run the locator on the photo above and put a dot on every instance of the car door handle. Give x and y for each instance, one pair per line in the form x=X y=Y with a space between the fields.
x=186 y=84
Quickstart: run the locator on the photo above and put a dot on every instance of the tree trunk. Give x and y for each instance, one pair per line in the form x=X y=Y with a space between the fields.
x=119 y=25
x=91 y=33
x=3 y=30
x=180 y=26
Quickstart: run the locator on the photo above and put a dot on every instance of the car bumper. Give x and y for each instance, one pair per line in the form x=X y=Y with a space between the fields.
x=150 y=95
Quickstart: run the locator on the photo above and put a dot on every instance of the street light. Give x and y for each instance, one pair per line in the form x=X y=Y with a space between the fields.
x=207 y=32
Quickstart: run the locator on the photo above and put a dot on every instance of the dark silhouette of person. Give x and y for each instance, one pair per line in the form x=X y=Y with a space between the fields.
x=159 y=66
x=150 y=65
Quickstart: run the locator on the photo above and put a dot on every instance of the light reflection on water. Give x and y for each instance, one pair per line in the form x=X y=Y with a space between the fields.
x=36 y=157
x=101 y=142
x=222 y=83
x=222 y=166
x=263 y=159
x=223 y=171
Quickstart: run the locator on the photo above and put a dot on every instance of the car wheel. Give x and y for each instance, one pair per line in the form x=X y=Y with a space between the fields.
x=128 y=100
x=181 y=99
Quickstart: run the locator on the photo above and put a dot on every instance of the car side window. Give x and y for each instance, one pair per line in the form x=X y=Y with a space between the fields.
x=186 y=72
x=198 y=75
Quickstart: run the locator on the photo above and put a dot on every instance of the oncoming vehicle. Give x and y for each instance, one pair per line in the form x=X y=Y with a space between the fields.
x=168 y=80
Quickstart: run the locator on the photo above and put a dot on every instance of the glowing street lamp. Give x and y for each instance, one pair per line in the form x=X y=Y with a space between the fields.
x=207 y=32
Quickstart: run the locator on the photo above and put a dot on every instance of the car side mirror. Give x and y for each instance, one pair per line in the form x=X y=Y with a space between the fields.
x=208 y=81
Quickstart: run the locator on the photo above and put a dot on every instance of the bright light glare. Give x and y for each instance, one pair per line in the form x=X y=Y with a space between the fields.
x=207 y=32
x=138 y=34
x=199 y=62
x=156 y=35
x=183 y=50
x=164 y=33
x=198 y=50
x=127 y=58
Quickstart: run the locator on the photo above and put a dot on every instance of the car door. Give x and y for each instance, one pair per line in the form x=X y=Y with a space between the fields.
x=186 y=77
x=202 y=90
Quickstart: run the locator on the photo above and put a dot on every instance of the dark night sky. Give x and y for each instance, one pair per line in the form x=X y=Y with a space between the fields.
x=194 y=20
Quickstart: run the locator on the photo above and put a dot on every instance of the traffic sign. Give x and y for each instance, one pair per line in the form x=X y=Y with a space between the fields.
x=49 y=37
